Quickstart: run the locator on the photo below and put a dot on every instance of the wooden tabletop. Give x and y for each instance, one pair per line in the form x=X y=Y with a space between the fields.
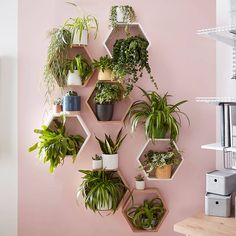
x=202 y=225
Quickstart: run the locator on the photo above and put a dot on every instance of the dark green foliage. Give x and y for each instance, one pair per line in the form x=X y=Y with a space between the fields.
x=55 y=144
x=102 y=188
x=104 y=63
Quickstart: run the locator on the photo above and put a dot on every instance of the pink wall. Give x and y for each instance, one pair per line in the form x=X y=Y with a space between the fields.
x=185 y=66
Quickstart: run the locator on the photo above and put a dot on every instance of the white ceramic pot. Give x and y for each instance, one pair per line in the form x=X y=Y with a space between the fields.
x=105 y=207
x=74 y=78
x=140 y=185
x=119 y=15
x=110 y=162
x=105 y=75
x=83 y=40
x=97 y=164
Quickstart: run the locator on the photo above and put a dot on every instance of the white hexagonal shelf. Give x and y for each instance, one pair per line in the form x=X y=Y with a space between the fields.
x=74 y=125
x=119 y=33
x=160 y=145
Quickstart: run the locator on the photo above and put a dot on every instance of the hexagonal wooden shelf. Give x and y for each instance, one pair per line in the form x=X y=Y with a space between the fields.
x=120 y=108
x=124 y=199
x=119 y=33
x=74 y=125
x=84 y=52
x=159 y=145
x=137 y=199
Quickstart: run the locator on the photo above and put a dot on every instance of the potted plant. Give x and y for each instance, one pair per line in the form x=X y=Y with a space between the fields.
x=97 y=162
x=55 y=71
x=57 y=106
x=106 y=96
x=71 y=101
x=148 y=215
x=102 y=190
x=158 y=116
x=160 y=162
x=139 y=182
x=79 y=71
x=80 y=27
x=55 y=144
x=105 y=66
x=109 y=150
x=121 y=14
x=130 y=58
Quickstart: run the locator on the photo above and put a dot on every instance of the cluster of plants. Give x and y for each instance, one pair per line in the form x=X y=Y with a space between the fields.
x=148 y=215
x=102 y=190
x=109 y=146
x=104 y=63
x=158 y=116
x=55 y=144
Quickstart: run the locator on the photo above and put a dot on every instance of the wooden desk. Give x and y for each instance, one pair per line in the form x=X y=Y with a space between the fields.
x=202 y=225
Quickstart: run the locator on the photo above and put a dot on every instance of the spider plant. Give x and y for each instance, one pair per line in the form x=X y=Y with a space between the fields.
x=102 y=190
x=108 y=146
x=78 y=24
x=104 y=63
x=158 y=116
x=55 y=71
x=148 y=215
x=55 y=144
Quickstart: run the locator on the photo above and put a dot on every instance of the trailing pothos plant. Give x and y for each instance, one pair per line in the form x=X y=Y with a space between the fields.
x=130 y=58
x=148 y=215
x=158 y=116
x=102 y=190
x=109 y=146
x=56 y=71
x=108 y=93
x=55 y=144
x=129 y=16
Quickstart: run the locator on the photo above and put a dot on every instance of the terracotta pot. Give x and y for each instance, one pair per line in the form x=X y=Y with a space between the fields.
x=105 y=75
x=164 y=172
x=57 y=108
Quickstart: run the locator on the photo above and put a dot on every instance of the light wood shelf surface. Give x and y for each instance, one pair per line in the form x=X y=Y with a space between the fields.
x=202 y=225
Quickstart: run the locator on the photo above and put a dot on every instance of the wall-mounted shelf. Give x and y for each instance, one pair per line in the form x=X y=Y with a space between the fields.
x=216 y=100
x=159 y=145
x=225 y=34
x=138 y=197
x=119 y=33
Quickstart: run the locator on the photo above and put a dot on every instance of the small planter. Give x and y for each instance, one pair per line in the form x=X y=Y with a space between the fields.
x=104 y=111
x=74 y=78
x=164 y=172
x=140 y=185
x=80 y=41
x=71 y=103
x=57 y=108
x=119 y=15
x=110 y=161
x=97 y=164
x=105 y=75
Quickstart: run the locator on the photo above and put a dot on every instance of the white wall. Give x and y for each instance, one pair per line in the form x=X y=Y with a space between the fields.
x=8 y=118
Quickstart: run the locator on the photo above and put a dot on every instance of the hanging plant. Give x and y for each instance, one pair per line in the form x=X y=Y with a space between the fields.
x=130 y=58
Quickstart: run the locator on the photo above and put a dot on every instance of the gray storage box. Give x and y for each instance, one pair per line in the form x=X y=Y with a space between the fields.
x=217 y=205
x=221 y=182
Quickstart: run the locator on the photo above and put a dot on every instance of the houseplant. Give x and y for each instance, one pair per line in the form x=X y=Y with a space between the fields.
x=71 y=101
x=158 y=116
x=139 y=182
x=121 y=14
x=102 y=190
x=55 y=144
x=97 y=162
x=105 y=66
x=161 y=163
x=57 y=106
x=55 y=71
x=79 y=71
x=80 y=27
x=148 y=215
x=109 y=150
x=107 y=94
x=130 y=58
